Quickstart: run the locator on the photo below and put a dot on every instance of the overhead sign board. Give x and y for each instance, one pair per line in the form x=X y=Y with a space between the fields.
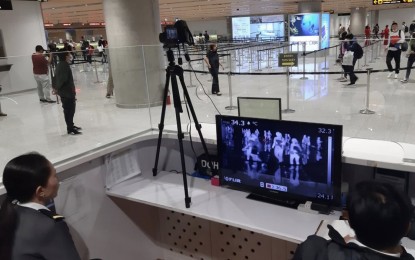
x=288 y=59
x=385 y=2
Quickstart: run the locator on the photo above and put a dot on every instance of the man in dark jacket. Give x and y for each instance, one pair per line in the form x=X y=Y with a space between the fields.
x=65 y=87
x=379 y=215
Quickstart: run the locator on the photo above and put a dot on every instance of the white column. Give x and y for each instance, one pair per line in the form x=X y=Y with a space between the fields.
x=130 y=25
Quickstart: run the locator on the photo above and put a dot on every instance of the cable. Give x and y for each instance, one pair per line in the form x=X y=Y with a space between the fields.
x=201 y=85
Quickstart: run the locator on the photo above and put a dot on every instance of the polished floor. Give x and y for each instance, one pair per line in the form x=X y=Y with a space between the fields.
x=34 y=126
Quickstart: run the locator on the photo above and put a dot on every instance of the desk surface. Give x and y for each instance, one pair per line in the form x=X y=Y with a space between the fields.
x=219 y=205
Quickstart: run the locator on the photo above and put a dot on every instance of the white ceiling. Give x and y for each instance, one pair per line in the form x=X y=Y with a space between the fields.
x=69 y=11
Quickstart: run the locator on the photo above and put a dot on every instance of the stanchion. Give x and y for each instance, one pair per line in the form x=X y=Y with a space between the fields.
x=367 y=111
x=372 y=58
x=315 y=61
x=96 y=72
x=325 y=60
x=250 y=52
x=379 y=43
x=288 y=110
x=336 y=54
x=191 y=80
x=268 y=58
x=258 y=61
x=231 y=106
x=298 y=46
x=365 y=65
x=304 y=77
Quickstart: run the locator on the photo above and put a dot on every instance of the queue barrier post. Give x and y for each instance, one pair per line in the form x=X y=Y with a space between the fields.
x=231 y=106
x=367 y=111
x=288 y=110
x=303 y=77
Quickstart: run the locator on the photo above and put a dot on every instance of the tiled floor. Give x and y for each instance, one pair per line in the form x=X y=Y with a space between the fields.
x=32 y=126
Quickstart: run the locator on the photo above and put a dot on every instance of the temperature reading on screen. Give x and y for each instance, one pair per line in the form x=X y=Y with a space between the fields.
x=327 y=131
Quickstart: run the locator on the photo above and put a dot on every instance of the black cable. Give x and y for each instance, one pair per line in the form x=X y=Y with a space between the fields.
x=213 y=103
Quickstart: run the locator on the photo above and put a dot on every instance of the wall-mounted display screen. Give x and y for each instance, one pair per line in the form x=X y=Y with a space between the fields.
x=280 y=159
x=305 y=28
x=325 y=31
x=258 y=27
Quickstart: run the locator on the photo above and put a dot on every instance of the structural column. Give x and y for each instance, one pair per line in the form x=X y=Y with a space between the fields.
x=358 y=20
x=136 y=55
x=313 y=6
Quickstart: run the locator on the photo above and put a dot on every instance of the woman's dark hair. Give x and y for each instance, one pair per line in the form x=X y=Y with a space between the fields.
x=343 y=36
x=21 y=177
x=212 y=46
x=379 y=214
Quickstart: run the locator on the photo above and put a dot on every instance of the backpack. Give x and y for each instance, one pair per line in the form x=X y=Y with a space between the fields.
x=358 y=50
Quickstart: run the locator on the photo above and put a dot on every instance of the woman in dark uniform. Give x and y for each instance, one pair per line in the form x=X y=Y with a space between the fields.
x=213 y=63
x=28 y=229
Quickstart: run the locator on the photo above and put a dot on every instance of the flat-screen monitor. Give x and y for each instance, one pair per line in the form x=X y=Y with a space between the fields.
x=258 y=107
x=6 y=5
x=259 y=27
x=282 y=161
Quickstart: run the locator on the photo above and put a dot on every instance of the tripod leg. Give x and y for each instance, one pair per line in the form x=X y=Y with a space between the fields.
x=161 y=125
x=197 y=125
x=180 y=135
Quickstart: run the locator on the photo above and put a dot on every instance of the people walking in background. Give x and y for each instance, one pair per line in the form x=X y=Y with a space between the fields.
x=411 y=58
x=351 y=48
x=28 y=229
x=206 y=35
x=376 y=31
x=84 y=46
x=90 y=49
x=412 y=28
x=1 y=112
x=65 y=88
x=386 y=35
x=405 y=29
x=395 y=39
x=41 y=74
x=367 y=35
x=343 y=48
x=213 y=63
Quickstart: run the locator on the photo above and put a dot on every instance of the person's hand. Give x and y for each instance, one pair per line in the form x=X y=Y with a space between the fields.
x=54 y=92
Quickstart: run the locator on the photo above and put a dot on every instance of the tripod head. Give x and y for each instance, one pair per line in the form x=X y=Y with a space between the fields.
x=170 y=57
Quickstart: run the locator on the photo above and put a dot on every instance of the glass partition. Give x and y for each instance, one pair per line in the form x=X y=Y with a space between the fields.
x=250 y=69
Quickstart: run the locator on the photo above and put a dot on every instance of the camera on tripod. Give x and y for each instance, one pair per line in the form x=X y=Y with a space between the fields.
x=175 y=35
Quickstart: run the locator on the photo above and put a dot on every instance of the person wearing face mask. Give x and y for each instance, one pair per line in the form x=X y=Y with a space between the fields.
x=28 y=229
x=213 y=63
x=65 y=88
x=396 y=38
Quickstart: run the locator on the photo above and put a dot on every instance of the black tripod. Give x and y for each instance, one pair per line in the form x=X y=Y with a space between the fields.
x=172 y=71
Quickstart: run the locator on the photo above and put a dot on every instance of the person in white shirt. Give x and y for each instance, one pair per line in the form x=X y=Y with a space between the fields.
x=396 y=38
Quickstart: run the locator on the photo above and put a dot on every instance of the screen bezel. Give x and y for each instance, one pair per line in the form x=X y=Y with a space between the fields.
x=337 y=159
x=260 y=98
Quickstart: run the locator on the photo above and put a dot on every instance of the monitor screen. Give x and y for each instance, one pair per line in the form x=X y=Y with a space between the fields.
x=258 y=107
x=281 y=159
x=259 y=27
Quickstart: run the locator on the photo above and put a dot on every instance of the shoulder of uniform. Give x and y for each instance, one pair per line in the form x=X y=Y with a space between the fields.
x=51 y=215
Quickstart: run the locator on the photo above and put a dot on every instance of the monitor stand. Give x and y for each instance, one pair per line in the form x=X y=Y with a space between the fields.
x=277 y=201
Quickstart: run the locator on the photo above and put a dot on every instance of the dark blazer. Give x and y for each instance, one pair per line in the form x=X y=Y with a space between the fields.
x=64 y=80
x=42 y=236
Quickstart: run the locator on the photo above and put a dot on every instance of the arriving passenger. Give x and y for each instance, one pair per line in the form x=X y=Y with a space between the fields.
x=28 y=229
x=386 y=35
x=376 y=31
x=41 y=74
x=349 y=68
x=84 y=45
x=396 y=38
x=412 y=27
x=380 y=216
x=411 y=58
x=65 y=88
x=343 y=48
x=212 y=60
x=405 y=29
x=90 y=50
x=367 y=35
x=206 y=35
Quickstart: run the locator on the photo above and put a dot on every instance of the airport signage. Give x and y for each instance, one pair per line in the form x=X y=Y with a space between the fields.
x=385 y=2
x=288 y=59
